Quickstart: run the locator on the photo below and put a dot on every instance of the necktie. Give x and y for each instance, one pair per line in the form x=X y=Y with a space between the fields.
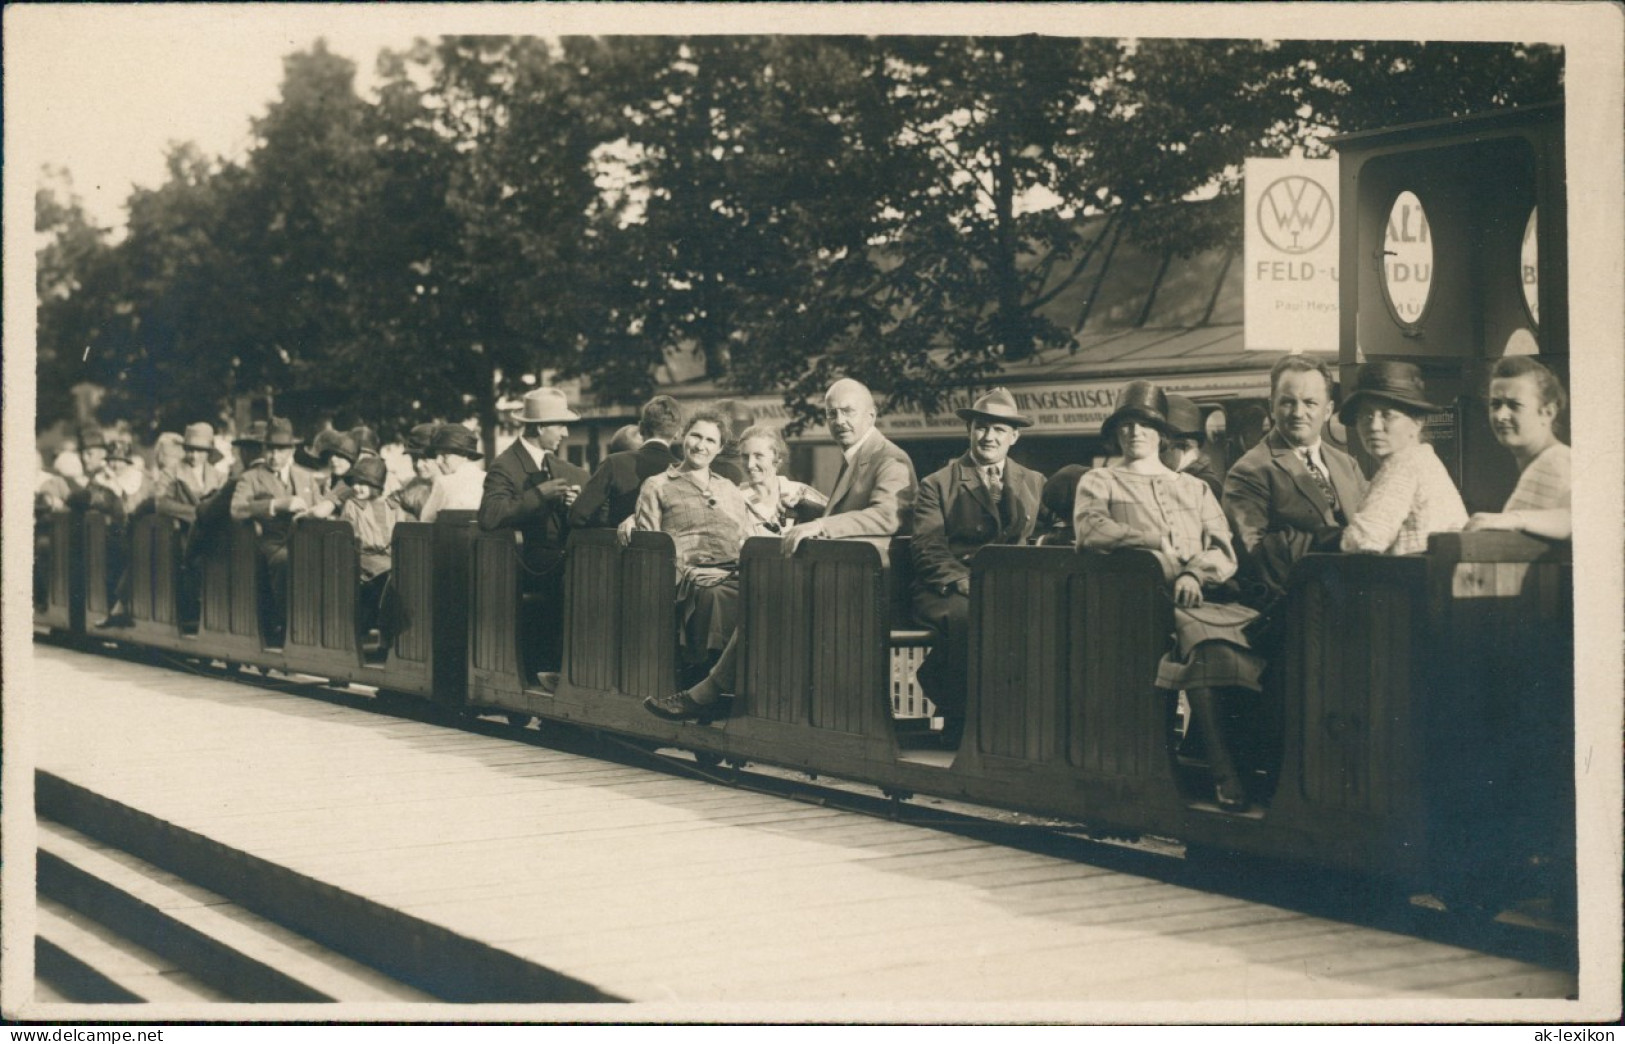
x=994 y=483
x=1321 y=480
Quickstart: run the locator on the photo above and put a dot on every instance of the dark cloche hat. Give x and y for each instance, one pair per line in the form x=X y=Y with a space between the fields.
x=1139 y=401
x=1185 y=418
x=420 y=440
x=1399 y=383
x=454 y=438
x=254 y=436
x=998 y=405
x=345 y=446
x=279 y=432
x=368 y=471
x=326 y=443
x=92 y=437
x=366 y=440
x=119 y=449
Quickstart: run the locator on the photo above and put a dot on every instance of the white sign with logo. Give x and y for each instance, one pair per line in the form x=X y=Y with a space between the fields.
x=1290 y=250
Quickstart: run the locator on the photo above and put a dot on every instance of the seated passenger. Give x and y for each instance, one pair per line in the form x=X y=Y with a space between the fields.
x=1525 y=400
x=194 y=478
x=706 y=517
x=626 y=438
x=611 y=494
x=1183 y=450
x=129 y=476
x=1056 y=506
x=775 y=502
x=873 y=500
x=214 y=510
x=729 y=464
x=1411 y=494
x=167 y=454
x=411 y=497
x=266 y=494
x=979 y=499
x=373 y=518
x=461 y=483
x=1140 y=503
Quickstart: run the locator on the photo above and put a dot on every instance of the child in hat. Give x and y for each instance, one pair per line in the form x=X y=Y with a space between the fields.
x=373 y=519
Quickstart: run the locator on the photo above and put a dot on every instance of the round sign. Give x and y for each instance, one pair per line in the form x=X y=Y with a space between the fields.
x=1407 y=268
x=1531 y=267
x=1295 y=214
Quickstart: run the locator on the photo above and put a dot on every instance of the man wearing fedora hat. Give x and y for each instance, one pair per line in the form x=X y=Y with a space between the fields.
x=611 y=495
x=980 y=498
x=95 y=488
x=1292 y=493
x=190 y=485
x=530 y=488
x=266 y=495
x=460 y=485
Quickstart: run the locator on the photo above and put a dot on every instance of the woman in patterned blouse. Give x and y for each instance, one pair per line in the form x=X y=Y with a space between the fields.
x=1140 y=503
x=708 y=521
x=775 y=502
x=1524 y=401
x=1411 y=494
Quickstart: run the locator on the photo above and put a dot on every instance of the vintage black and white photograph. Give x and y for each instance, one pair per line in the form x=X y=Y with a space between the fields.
x=897 y=514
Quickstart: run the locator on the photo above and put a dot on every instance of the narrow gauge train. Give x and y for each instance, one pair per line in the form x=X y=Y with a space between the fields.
x=1425 y=703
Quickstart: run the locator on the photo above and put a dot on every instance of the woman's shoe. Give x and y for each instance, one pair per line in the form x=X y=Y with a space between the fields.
x=679 y=706
x=1230 y=796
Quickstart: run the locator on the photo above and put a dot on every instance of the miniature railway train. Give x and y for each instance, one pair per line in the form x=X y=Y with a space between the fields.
x=1425 y=704
x=1425 y=730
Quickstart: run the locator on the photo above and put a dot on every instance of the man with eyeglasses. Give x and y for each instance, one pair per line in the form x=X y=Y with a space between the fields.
x=873 y=500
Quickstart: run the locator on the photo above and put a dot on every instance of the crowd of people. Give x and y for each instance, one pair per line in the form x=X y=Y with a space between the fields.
x=711 y=480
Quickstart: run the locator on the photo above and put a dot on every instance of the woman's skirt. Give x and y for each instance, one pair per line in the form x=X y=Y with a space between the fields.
x=1211 y=649
x=707 y=616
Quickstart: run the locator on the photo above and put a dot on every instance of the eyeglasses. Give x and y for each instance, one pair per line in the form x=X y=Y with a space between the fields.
x=844 y=412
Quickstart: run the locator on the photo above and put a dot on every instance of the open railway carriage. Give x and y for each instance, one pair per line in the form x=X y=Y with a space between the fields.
x=1425 y=703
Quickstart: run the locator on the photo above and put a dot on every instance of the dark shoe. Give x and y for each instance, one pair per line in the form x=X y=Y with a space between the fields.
x=118 y=620
x=1230 y=796
x=680 y=706
x=548 y=681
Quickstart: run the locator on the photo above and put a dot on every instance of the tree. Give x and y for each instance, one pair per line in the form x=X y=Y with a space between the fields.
x=72 y=284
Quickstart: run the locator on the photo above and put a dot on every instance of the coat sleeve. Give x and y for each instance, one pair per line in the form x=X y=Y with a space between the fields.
x=591 y=508
x=504 y=503
x=1375 y=527
x=646 y=516
x=174 y=502
x=1216 y=562
x=1092 y=517
x=891 y=503
x=935 y=566
x=1247 y=504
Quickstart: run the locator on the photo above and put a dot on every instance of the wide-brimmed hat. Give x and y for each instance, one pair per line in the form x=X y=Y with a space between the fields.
x=368 y=471
x=279 y=432
x=420 y=440
x=545 y=406
x=1185 y=418
x=998 y=405
x=1399 y=383
x=454 y=438
x=366 y=440
x=254 y=436
x=326 y=443
x=1139 y=401
x=200 y=436
x=92 y=438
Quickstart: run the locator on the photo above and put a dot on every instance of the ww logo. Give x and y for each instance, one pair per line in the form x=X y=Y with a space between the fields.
x=1295 y=214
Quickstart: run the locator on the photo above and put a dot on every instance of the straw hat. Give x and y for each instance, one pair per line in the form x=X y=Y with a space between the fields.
x=545 y=406
x=997 y=405
x=200 y=436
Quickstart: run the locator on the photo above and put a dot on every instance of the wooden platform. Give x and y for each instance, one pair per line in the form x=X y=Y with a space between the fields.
x=652 y=888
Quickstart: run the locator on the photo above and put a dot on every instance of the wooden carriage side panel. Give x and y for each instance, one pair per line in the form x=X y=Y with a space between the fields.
x=774 y=634
x=1122 y=621
x=323 y=574
x=850 y=617
x=1502 y=787
x=453 y=550
x=141 y=567
x=64 y=572
x=592 y=588
x=167 y=535
x=1020 y=630
x=1356 y=632
x=648 y=616
x=411 y=576
x=244 y=581
x=97 y=531
x=493 y=651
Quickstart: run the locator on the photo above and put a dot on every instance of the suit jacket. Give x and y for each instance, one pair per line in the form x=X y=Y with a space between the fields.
x=186 y=490
x=611 y=495
x=1278 y=512
x=955 y=517
x=873 y=498
x=512 y=501
x=262 y=495
x=310 y=486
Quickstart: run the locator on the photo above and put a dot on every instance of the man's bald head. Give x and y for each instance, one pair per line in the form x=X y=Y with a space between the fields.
x=849 y=410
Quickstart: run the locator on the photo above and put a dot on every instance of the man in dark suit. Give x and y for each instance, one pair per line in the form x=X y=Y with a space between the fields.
x=1292 y=493
x=530 y=488
x=611 y=495
x=267 y=493
x=980 y=498
x=873 y=500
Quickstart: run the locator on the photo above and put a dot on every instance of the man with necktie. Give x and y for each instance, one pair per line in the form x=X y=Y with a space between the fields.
x=873 y=500
x=980 y=498
x=1291 y=493
x=530 y=489
x=266 y=494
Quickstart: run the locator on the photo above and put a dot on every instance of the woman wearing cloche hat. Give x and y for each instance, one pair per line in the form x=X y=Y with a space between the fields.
x=1141 y=503
x=1411 y=494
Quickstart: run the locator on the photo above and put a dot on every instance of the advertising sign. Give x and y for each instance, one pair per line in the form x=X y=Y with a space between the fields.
x=1290 y=250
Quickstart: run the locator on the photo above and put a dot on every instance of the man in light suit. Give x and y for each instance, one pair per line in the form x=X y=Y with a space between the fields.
x=530 y=488
x=1291 y=493
x=980 y=498
x=267 y=494
x=873 y=500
